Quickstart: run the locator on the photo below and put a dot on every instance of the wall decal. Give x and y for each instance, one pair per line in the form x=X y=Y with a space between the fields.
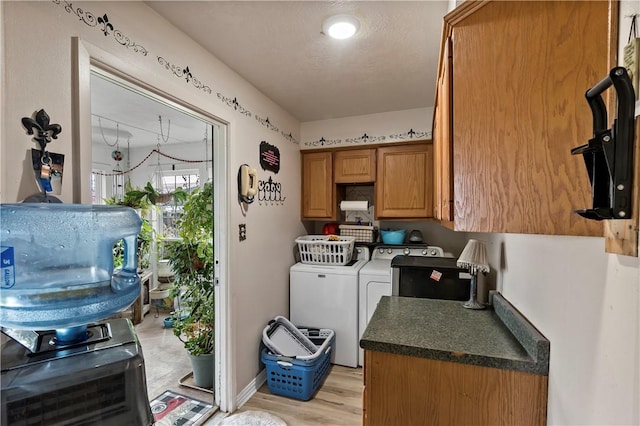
x=270 y=192
x=289 y=137
x=269 y=125
x=233 y=103
x=269 y=157
x=184 y=72
x=324 y=142
x=106 y=26
x=411 y=134
x=103 y=24
x=365 y=138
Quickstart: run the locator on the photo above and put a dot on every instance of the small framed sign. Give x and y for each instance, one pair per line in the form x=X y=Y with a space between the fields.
x=269 y=157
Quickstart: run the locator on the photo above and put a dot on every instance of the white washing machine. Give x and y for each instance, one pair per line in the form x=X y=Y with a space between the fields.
x=325 y=296
x=375 y=280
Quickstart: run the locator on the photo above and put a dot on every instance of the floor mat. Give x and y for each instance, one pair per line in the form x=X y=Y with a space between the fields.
x=174 y=409
x=253 y=418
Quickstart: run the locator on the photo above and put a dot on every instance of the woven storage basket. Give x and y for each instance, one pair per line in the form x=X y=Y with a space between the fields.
x=362 y=233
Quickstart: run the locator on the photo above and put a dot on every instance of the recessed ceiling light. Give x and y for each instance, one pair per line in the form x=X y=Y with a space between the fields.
x=340 y=26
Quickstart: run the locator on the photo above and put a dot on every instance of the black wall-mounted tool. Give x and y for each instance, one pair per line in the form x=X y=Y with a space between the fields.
x=609 y=155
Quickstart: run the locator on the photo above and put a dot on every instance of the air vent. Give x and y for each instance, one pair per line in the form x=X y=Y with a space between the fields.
x=80 y=404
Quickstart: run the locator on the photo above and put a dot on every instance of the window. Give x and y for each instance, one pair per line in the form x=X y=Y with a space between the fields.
x=98 y=187
x=169 y=181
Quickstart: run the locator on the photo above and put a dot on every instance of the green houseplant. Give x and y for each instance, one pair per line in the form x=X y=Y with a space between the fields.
x=142 y=199
x=191 y=259
x=136 y=199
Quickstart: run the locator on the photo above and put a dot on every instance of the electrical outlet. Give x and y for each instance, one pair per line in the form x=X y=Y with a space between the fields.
x=242 y=232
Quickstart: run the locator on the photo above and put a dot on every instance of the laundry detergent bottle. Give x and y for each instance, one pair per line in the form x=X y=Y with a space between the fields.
x=57 y=264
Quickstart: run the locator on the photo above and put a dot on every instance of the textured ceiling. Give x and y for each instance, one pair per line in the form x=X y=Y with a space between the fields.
x=390 y=65
x=279 y=47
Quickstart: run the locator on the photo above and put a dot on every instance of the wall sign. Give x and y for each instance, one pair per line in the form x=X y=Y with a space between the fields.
x=269 y=157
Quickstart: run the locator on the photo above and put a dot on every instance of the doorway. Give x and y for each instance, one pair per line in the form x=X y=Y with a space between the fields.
x=141 y=138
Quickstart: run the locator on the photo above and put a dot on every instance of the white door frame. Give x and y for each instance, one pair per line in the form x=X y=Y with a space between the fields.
x=87 y=57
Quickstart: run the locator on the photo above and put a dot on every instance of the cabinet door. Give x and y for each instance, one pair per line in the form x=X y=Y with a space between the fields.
x=405 y=390
x=318 y=195
x=404 y=184
x=443 y=149
x=520 y=73
x=354 y=166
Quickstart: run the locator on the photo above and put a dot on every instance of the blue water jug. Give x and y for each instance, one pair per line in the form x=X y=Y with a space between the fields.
x=57 y=264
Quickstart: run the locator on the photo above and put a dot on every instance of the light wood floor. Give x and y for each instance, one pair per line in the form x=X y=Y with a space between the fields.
x=166 y=361
x=337 y=402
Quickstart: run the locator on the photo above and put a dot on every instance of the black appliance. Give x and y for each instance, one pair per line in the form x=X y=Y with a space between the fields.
x=429 y=277
x=100 y=381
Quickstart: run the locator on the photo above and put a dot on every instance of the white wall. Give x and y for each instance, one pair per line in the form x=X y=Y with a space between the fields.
x=386 y=127
x=37 y=57
x=586 y=303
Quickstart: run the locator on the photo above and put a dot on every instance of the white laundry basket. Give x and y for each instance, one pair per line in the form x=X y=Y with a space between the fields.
x=326 y=249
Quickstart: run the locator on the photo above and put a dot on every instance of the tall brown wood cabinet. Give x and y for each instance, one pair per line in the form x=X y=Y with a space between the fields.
x=510 y=106
x=404 y=184
x=318 y=189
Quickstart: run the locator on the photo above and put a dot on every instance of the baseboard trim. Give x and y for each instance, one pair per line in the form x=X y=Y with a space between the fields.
x=251 y=388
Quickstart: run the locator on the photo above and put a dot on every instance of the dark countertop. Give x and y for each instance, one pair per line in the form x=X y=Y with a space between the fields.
x=498 y=336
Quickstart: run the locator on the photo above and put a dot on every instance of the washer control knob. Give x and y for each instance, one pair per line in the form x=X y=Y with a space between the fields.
x=381 y=250
x=406 y=251
x=433 y=252
x=389 y=250
x=425 y=252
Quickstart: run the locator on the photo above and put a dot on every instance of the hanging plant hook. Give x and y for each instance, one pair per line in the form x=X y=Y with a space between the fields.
x=105 y=139
x=162 y=132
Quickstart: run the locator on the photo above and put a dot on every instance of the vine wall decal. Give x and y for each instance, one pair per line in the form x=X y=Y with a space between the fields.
x=324 y=142
x=365 y=138
x=103 y=24
x=411 y=134
x=289 y=137
x=184 y=72
x=265 y=122
x=233 y=103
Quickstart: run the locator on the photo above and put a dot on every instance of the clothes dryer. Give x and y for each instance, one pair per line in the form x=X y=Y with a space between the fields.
x=326 y=296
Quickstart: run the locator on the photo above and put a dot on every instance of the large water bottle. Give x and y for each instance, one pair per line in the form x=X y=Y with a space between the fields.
x=57 y=264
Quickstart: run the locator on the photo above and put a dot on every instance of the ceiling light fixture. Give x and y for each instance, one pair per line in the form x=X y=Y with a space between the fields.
x=340 y=26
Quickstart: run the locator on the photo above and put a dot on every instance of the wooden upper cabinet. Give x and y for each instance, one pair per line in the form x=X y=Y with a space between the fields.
x=354 y=166
x=404 y=182
x=318 y=194
x=519 y=77
x=442 y=142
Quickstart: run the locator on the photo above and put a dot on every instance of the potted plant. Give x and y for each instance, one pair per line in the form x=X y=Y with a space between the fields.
x=142 y=199
x=191 y=259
